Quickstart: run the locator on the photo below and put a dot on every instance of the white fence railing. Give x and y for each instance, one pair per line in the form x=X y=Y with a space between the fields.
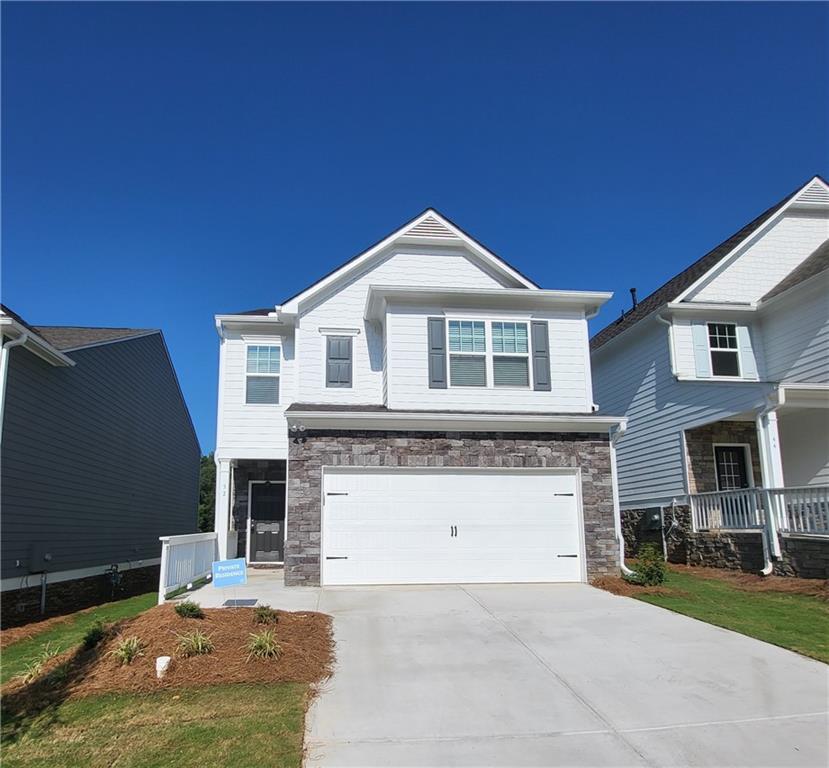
x=185 y=559
x=795 y=510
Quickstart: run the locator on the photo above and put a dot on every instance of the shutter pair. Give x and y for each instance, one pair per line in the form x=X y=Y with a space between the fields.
x=338 y=361
x=438 y=378
x=702 y=352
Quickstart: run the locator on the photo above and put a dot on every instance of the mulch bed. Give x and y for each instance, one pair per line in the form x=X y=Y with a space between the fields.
x=305 y=638
x=34 y=628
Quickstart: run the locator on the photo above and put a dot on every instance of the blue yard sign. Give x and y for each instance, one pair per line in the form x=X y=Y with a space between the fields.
x=229 y=573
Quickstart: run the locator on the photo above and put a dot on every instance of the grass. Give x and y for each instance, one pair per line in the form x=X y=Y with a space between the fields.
x=70 y=633
x=797 y=622
x=237 y=725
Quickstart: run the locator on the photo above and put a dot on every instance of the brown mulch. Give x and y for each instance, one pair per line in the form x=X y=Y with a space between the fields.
x=751 y=582
x=618 y=586
x=305 y=638
x=13 y=634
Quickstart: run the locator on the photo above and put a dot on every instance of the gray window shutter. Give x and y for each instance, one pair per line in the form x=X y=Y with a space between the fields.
x=437 y=352
x=748 y=362
x=702 y=358
x=541 y=356
x=338 y=363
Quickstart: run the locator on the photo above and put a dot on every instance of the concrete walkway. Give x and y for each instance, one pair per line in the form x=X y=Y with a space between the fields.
x=549 y=675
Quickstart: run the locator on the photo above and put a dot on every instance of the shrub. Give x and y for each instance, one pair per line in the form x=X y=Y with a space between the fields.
x=189 y=610
x=94 y=635
x=127 y=649
x=194 y=643
x=264 y=614
x=263 y=645
x=650 y=567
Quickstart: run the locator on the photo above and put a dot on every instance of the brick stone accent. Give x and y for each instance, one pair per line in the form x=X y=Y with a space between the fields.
x=699 y=444
x=445 y=449
x=20 y=606
x=804 y=556
x=244 y=471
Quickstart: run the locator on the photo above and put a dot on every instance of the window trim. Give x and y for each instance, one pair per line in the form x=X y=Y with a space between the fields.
x=277 y=345
x=735 y=350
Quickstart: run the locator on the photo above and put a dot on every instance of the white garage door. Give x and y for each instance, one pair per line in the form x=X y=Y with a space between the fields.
x=404 y=526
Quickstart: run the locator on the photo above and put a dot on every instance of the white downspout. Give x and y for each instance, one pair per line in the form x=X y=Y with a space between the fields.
x=4 y=371
x=771 y=544
x=670 y=325
x=617 y=514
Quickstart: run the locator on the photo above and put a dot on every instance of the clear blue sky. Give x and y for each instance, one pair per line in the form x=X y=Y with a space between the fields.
x=165 y=162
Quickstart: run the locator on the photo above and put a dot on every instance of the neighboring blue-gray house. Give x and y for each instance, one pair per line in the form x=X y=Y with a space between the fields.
x=99 y=459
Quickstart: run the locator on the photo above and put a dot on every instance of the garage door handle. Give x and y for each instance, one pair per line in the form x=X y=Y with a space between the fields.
x=563 y=494
x=336 y=493
x=453 y=531
x=566 y=555
x=337 y=558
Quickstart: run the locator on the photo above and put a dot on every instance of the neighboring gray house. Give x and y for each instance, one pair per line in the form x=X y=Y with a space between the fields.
x=99 y=459
x=723 y=373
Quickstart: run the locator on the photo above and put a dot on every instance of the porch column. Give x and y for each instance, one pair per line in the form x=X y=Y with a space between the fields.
x=222 y=516
x=771 y=464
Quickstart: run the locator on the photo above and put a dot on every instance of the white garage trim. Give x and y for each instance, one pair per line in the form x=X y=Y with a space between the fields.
x=573 y=472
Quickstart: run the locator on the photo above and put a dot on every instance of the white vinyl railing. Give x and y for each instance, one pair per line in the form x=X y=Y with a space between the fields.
x=795 y=510
x=185 y=559
x=801 y=510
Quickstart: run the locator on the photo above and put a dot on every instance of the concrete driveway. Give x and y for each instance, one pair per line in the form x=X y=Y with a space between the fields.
x=554 y=675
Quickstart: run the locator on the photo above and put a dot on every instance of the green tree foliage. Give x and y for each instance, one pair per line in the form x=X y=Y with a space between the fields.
x=207 y=493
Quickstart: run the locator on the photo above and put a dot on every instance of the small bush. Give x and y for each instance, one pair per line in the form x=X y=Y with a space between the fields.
x=650 y=567
x=94 y=635
x=189 y=610
x=263 y=645
x=127 y=649
x=194 y=643
x=264 y=614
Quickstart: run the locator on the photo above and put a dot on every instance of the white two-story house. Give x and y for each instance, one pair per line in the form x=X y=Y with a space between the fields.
x=422 y=414
x=723 y=374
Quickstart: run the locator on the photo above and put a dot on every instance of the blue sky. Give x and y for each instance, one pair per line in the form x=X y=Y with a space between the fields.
x=165 y=162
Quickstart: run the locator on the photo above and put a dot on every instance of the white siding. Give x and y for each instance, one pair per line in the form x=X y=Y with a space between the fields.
x=795 y=332
x=252 y=431
x=344 y=309
x=803 y=439
x=766 y=259
x=632 y=377
x=409 y=367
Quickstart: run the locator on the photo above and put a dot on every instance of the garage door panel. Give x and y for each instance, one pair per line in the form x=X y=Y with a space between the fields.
x=396 y=526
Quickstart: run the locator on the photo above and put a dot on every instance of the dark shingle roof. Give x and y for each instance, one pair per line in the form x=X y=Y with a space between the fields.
x=670 y=290
x=817 y=262
x=68 y=337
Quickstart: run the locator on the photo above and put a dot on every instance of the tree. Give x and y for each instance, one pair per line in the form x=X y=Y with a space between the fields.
x=207 y=493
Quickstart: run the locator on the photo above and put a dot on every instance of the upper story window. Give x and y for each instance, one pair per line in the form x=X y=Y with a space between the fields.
x=467 y=353
x=511 y=355
x=722 y=343
x=262 y=375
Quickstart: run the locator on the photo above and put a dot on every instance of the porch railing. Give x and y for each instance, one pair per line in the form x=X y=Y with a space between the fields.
x=185 y=559
x=796 y=510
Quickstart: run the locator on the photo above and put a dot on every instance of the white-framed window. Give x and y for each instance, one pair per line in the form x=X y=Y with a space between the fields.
x=724 y=350
x=510 y=354
x=467 y=353
x=262 y=371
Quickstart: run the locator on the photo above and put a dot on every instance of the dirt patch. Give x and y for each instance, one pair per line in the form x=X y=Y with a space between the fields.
x=618 y=586
x=14 y=634
x=750 y=582
x=305 y=639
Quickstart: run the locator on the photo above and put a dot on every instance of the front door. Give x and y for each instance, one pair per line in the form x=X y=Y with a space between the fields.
x=267 y=522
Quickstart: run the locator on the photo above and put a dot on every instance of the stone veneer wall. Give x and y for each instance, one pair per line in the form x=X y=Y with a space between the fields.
x=445 y=449
x=802 y=556
x=20 y=606
x=244 y=471
x=699 y=444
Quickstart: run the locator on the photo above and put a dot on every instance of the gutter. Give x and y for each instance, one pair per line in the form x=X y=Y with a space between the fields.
x=4 y=371
x=771 y=545
x=660 y=318
x=615 y=436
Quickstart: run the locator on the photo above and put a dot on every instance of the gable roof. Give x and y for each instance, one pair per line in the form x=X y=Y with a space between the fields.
x=817 y=262
x=429 y=226
x=670 y=290
x=65 y=337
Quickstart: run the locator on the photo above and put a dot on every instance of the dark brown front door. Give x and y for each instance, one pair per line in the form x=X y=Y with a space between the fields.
x=267 y=522
x=732 y=472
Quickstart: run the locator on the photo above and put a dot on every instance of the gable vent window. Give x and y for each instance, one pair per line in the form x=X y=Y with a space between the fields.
x=467 y=353
x=511 y=356
x=262 y=375
x=722 y=342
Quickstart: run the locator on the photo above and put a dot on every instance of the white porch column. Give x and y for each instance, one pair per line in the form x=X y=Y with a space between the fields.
x=771 y=464
x=222 y=516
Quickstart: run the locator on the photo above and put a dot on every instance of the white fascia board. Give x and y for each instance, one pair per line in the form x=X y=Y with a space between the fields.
x=379 y=296
x=240 y=321
x=432 y=421
x=726 y=260
x=35 y=344
x=709 y=308
x=802 y=395
x=292 y=306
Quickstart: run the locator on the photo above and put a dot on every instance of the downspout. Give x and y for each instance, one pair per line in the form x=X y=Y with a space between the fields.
x=4 y=371
x=617 y=514
x=771 y=545
x=670 y=325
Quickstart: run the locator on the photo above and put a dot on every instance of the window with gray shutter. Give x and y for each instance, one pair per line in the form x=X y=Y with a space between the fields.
x=541 y=356
x=510 y=361
x=262 y=369
x=338 y=361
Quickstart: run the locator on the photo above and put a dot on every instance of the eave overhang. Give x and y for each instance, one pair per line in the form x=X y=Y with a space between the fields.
x=34 y=343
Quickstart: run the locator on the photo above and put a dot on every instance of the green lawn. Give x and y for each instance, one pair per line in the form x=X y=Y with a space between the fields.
x=69 y=633
x=236 y=725
x=797 y=622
